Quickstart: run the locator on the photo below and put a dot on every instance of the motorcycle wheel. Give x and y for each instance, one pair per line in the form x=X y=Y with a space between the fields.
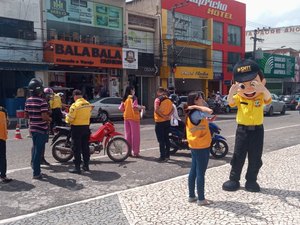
x=102 y=116
x=219 y=149
x=118 y=149
x=61 y=155
x=173 y=147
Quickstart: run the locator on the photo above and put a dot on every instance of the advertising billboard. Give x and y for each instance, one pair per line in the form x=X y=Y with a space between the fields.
x=277 y=66
x=85 y=13
x=141 y=40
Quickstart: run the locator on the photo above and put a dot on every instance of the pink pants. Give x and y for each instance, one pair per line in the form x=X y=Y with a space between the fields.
x=132 y=135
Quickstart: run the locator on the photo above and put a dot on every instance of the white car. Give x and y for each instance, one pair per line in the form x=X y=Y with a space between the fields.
x=109 y=107
x=276 y=106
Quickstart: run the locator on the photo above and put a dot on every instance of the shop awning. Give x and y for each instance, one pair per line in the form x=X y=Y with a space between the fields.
x=23 y=66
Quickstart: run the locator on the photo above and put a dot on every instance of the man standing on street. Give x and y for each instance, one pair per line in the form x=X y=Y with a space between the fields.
x=37 y=110
x=79 y=118
x=3 y=137
x=163 y=110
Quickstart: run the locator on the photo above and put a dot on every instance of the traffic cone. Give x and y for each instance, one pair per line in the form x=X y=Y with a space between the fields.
x=18 y=133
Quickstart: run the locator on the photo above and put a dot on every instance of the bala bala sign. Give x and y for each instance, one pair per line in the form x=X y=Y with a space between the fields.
x=130 y=58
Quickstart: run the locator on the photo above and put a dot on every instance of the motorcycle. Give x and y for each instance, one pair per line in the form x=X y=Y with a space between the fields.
x=218 y=148
x=105 y=138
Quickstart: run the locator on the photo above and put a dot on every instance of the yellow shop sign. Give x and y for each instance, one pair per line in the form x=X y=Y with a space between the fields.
x=193 y=73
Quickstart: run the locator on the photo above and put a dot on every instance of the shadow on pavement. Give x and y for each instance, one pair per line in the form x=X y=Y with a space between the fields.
x=283 y=195
x=240 y=210
x=16 y=186
x=70 y=184
x=99 y=175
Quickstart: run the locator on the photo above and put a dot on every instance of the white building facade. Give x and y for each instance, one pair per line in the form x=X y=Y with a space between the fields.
x=278 y=41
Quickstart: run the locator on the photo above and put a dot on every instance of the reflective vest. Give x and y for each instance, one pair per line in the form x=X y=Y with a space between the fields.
x=129 y=112
x=198 y=135
x=3 y=124
x=165 y=106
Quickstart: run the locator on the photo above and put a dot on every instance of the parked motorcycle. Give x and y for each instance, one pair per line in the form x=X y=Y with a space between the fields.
x=105 y=138
x=218 y=148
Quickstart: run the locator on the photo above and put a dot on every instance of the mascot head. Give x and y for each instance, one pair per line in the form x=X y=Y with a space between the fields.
x=247 y=74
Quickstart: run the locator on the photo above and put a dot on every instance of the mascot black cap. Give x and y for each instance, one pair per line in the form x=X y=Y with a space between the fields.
x=245 y=70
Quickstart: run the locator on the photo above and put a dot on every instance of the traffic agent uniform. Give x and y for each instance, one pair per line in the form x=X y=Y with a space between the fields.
x=250 y=95
x=249 y=137
x=79 y=117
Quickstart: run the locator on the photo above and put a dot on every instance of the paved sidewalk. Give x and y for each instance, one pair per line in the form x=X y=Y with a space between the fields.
x=166 y=202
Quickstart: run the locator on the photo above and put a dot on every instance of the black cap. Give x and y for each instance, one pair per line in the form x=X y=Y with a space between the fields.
x=245 y=70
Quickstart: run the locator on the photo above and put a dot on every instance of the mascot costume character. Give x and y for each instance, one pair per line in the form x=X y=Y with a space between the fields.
x=250 y=95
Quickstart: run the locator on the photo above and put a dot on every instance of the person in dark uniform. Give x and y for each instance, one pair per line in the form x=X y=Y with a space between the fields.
x=79 y=118
x=250 y=95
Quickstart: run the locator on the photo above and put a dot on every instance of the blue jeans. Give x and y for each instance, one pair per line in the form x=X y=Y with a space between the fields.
x=39 y=140
x=200 y=159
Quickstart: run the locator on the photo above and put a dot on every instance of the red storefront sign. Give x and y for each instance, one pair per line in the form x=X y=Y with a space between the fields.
x=222 y=10
x=81 y=54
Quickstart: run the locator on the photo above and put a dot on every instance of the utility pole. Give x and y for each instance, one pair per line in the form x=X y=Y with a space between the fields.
x=171 y=80
x=255 y=39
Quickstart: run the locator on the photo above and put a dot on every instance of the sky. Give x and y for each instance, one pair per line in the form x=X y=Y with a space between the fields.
x=271 y=13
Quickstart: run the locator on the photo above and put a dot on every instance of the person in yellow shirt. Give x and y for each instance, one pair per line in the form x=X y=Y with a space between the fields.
x=56 y=105
x=3 y=137
x=250 y=95
x=199 y=141
x=79 y=118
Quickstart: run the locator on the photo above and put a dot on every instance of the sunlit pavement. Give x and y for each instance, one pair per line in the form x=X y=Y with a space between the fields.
x=166 y=202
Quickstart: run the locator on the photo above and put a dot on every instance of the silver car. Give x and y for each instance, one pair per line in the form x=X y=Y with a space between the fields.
x=276 y=106
x=109 y=107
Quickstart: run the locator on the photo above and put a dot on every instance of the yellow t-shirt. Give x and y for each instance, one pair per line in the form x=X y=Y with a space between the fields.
x=55 y=102
x=250 y=111
x=79 y=113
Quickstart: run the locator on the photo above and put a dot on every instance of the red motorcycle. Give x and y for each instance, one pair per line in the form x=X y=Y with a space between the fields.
x=105 y=138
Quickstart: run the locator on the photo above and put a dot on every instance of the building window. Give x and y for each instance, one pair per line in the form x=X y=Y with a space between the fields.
x=218 y=32
x=13 y=28
x=217 y=61
x=234 y=35
x=190 y=57
x=233 y=58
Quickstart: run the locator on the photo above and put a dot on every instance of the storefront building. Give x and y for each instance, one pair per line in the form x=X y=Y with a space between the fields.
x=143 y=35
x=209 y=40
x=84 y=47
x=20 y=52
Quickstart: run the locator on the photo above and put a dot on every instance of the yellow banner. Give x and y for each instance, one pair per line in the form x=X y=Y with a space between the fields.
x=193 y=73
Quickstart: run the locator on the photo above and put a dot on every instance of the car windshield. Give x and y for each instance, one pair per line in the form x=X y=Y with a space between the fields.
x=94 y=100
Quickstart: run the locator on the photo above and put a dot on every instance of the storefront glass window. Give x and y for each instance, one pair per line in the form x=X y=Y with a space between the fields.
x=233 y=58
x=234 y=35
x=192 y=57
x=218 y=32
